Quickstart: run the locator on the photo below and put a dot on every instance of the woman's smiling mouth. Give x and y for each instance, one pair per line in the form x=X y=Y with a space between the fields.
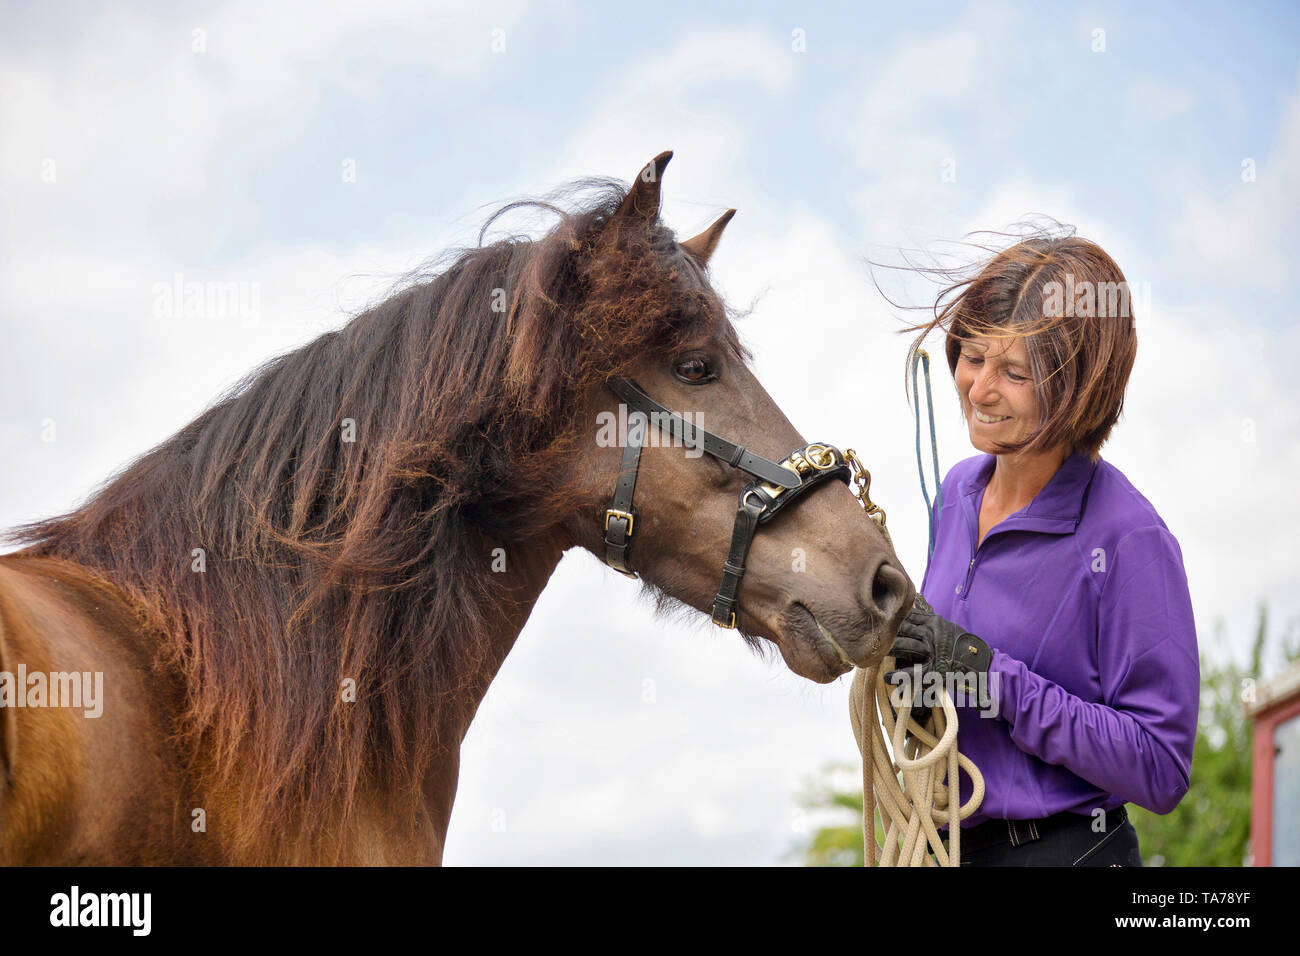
x=989 y=419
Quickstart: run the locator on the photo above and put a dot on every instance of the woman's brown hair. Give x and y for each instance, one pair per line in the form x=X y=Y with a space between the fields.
x=1071 y=302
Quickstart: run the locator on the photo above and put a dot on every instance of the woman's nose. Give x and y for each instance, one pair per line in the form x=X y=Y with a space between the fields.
x=981 y=389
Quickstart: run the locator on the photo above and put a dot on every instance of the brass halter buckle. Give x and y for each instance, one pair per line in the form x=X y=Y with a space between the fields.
x=615 y=513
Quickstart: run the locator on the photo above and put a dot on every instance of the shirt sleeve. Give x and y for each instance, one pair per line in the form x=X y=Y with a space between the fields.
x=1138 y=743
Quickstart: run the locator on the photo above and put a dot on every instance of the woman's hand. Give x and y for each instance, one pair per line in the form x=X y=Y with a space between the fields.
x=938 y=646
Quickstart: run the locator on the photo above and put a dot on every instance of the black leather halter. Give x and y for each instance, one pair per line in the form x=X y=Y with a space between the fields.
x=774 y=486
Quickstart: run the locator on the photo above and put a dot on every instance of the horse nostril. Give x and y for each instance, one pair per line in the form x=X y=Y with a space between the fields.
x=890 y=590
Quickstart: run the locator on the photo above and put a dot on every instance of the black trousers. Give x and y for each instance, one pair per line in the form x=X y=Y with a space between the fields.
x=1065 y=839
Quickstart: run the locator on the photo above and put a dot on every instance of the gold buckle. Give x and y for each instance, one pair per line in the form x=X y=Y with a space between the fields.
x=615 y=513
x=732 y=625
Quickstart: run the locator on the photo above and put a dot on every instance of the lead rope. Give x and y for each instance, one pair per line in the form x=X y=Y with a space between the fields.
x=929 y=766
x=927 y=795
x=923 y=357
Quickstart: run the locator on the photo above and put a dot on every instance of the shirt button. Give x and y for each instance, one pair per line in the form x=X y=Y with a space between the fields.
x=958 y=591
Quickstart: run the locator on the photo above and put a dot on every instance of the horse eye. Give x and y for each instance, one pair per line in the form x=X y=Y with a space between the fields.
x=694 y=370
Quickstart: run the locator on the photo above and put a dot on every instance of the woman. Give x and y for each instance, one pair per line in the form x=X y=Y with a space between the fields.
x=1053 y=580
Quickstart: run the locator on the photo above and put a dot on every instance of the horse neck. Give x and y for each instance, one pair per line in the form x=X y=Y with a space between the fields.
x=517 y=573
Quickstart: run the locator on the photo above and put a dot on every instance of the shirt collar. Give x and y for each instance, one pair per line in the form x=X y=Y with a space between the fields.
x=1060 y=500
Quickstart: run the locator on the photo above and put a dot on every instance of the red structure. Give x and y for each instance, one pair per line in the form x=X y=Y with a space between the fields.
x=1275 y=771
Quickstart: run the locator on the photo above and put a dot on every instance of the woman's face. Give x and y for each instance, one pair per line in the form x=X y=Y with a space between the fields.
x=997 y=391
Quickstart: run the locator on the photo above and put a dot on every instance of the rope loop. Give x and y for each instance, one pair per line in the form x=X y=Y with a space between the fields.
x=915 y=793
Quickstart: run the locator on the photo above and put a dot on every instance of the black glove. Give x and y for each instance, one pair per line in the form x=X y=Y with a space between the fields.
x=937 y=646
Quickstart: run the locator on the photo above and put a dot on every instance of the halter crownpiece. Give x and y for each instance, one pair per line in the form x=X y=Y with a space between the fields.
x=775 y=485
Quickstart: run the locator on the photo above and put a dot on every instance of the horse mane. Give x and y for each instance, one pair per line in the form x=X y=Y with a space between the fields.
x=327 y=559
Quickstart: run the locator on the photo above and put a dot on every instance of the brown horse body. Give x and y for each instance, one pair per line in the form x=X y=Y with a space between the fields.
x=295 y=628
x=115 y=790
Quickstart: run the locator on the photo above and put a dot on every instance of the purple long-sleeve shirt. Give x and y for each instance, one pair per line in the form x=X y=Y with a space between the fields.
x=1083 y=598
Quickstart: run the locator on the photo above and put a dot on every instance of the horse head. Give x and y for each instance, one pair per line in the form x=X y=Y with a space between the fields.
x=819 y=579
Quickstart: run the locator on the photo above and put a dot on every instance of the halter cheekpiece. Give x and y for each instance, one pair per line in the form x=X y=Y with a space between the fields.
x=775 y=485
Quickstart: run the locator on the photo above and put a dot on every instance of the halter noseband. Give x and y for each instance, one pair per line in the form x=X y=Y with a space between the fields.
x=774 y=486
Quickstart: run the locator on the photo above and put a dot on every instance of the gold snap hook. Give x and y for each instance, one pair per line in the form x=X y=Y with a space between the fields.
x=862 y=479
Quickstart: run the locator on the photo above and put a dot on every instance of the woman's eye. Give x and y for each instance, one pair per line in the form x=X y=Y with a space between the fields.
x=694 y=370
x=973 y=359
x=1016 y=378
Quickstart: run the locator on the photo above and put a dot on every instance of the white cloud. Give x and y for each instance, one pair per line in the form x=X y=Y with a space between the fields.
x=128 y=102
x=1242 y=232
x=662 y=101
x=893 y=122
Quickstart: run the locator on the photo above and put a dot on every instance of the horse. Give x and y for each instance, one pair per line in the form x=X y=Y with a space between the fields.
x=298 y=601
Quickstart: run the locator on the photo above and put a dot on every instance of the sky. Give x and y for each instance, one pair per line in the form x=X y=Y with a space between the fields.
x=314 y=153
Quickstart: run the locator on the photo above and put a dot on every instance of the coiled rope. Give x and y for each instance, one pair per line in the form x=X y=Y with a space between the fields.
x=911 y=809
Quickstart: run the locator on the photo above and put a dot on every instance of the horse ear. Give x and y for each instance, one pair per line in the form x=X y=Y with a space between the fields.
x=642 y=200
x=702 y=246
